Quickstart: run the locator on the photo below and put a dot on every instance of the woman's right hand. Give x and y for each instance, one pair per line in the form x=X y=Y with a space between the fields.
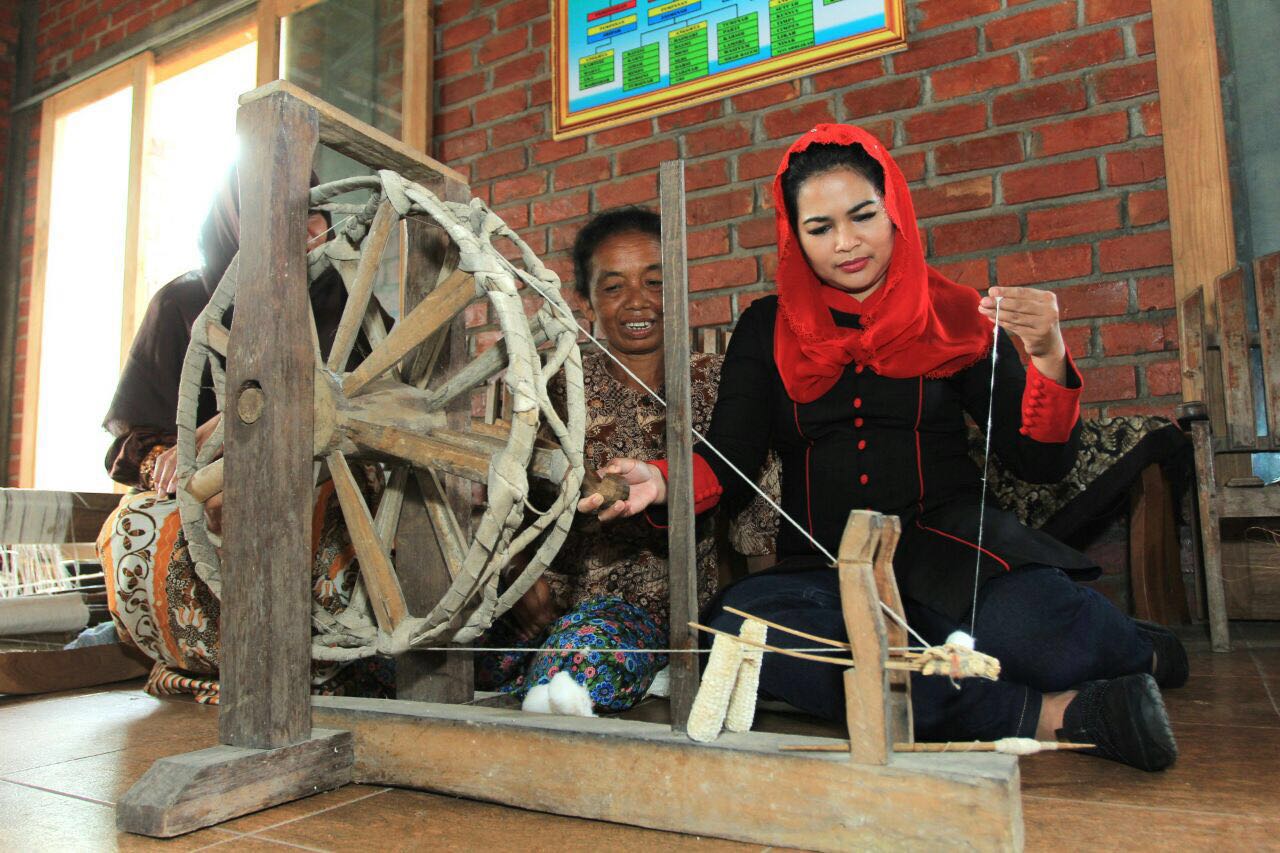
x=646 y=482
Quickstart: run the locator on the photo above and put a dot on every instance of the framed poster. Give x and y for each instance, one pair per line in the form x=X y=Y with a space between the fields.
x=614 y=61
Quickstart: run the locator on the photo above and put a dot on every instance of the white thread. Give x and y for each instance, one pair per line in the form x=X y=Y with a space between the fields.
x=529 y=650
x=889 y=611
x=986 y=462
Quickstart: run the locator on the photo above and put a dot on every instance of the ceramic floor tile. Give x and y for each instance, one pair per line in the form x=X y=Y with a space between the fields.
x=412 y=820
x=1054 y=825
x=286 y=812
x=1258 y=635
x=1267 y=661
x=1230 y=701
x=103 y=777
x=96 y=723
x=253 y=844
x=1238 y=662
x=39 y=820
x=1227 y=769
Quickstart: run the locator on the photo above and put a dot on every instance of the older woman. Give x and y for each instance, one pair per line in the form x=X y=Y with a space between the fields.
x=605 y=596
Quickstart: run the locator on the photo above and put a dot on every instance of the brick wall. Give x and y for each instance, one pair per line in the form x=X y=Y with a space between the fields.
x=1030 y=132
x=8 y=74
x=69 y=31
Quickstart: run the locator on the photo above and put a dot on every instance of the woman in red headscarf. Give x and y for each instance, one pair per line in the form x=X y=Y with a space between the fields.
x=864 y=367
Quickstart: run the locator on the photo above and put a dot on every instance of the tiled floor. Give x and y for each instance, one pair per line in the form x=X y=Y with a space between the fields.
x=66 y=759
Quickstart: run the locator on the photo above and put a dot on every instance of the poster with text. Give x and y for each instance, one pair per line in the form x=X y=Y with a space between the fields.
x=615 y=61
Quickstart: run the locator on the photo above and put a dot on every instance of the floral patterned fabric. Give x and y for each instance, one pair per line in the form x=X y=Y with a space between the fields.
x=586 y=642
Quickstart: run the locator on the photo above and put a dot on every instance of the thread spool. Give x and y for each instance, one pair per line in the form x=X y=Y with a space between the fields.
x=41 y=614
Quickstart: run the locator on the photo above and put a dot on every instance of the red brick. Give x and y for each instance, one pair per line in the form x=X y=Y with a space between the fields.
x=644 y=157
x=1070 y=220
x=453 y=64
x=981 y=76
x=1067 y=96
x=911 y=164
x=1109 y=383
x=760 y=162
x=635 y=190
x=708 y=242
x=1118 y=84
x=999 y=150
x=958 y=238
x=1137 y=337
x=1135 y=166
x=1078 y=340
x=500 y=105
x=1076 y=53
x=720 y=137
x=1009 y=30
x=1096 y=299
x=1151 y=121
x=937 y=13
x=1106 y=10
x=504 y=46
x=517 y=216
x=456 y=119
x=553 y=150
x=633 y=132
x=1040 y=265
x=502 y=163
x=519 y=70
x=1164 y=378
x=1059 y=179
x=709 y=312
x=757 y=232
x=462 y=89
x=1148 y=207
x=947 y=122
x=972 y=273
x=953 y=197
x=455 y=148
x=709 y=173
x=1135 y=252
x=900 y=94
x=559 y=209
x=1155 y=293
x=465 y=32
x=1144 y=37
x=528 y=126
x=793 y=121
x=690 y=115
x=518 y=12
x=476 y=314
x=733 y=272
x=522 y=186
x=1078 y=134
x=849 y=75
x=540 y=92
x=938 y=50
x=719 y=207
x=767 y=97
x=540 y=32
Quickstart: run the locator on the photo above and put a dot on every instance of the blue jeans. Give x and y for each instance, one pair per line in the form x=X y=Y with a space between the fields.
x=1049 y=633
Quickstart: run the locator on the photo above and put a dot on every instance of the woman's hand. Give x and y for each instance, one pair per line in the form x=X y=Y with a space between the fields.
x=1031 y=315
x=647 y=487
x=165 y=474
x=535 y=610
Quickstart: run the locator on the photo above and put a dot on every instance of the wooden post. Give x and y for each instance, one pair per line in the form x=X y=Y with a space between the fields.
x=682 y=557
x=266 y=592
x=1210 y=536
x=866 y=685
x=899 y=698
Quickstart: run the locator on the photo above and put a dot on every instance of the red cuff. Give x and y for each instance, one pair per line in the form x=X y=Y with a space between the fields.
x=706 y=485
x=1050 y=410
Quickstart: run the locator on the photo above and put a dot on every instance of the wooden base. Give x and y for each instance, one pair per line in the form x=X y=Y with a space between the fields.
x=740 y=787
x=187 y=792
x=69 y=669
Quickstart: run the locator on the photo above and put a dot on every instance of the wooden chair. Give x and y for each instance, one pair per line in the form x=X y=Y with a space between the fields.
x=1217 y=358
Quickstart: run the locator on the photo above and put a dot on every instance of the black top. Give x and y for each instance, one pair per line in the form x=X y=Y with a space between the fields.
x=897 y=446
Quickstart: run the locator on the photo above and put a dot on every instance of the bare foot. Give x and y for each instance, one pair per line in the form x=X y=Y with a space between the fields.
x=1052 y=708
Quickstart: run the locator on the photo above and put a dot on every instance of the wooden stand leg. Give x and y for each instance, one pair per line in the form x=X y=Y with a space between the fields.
x=866 y=685
x=899 y=699
x=1155 y=576
x=1210 y=537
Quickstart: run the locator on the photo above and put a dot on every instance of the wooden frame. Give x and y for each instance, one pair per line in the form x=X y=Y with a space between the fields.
x=278 y=745
x=797 y=63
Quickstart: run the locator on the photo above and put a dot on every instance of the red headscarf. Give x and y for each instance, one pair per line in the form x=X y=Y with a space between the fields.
x=917 y=324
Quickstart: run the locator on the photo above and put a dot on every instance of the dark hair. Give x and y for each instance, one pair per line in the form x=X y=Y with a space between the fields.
x=610 y=223
x=823 y=157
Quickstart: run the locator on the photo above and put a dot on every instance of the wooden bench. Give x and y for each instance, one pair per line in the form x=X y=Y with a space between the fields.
x=1217 y=355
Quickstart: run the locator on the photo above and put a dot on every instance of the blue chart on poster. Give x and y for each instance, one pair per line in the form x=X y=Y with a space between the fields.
x=618 y=49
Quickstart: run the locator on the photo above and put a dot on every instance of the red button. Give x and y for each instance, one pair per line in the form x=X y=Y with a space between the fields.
x=863 y=479
x=857 y=422
x=857 y=368
x=857 y=402
x=862 y=444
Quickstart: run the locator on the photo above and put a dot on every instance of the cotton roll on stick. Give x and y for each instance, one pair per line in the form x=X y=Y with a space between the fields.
x=42 y=614
x=742 y=704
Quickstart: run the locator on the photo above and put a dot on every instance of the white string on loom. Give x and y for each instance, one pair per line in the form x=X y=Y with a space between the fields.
x=759 y=491
x=578 y=650
x=986 y=464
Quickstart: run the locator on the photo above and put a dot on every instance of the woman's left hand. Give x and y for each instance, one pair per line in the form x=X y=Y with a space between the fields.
x=1031 y=315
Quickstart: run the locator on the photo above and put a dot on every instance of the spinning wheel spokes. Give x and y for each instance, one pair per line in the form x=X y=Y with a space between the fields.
x=361 y=289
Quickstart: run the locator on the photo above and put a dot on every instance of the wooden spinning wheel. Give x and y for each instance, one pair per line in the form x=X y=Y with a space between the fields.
x=392 y=408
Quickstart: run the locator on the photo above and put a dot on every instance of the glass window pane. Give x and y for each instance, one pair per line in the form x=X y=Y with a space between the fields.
x=83 y=290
